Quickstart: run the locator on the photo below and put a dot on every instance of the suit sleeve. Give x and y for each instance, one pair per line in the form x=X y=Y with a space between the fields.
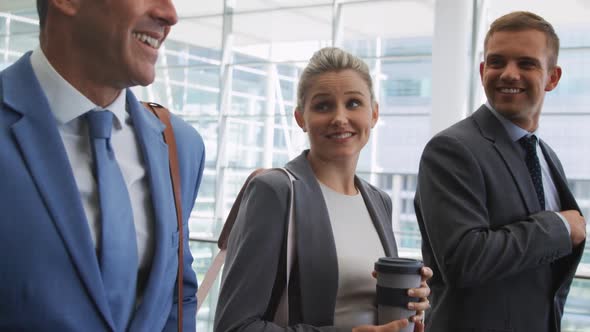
x=451 y=201
x=253 y=257
x=189 y=305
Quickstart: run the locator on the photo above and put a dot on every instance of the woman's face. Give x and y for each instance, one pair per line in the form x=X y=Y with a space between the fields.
x=337 y=115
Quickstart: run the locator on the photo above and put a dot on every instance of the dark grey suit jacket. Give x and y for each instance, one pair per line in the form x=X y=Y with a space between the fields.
x=255 y=256
x=500 y=264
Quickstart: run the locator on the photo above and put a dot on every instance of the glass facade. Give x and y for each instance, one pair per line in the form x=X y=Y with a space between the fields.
x=230 y=68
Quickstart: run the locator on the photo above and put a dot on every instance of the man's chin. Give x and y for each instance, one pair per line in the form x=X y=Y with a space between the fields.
x=144 y=79
x=507 y=110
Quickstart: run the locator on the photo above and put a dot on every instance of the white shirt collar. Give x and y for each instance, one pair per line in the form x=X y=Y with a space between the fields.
x=65 y=101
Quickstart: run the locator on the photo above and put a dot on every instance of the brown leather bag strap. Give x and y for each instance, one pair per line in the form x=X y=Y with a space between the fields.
x=164 y=115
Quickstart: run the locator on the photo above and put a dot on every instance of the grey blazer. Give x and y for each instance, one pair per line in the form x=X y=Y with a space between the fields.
x=500 y=263
x=255 y=256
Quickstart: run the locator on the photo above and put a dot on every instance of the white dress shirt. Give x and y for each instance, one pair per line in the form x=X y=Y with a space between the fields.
x=68 y=105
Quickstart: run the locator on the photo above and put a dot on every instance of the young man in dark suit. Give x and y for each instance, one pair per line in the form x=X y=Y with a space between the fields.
x=500 y=227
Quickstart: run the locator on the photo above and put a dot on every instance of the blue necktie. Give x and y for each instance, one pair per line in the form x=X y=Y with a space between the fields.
x=529 y=143
x=118 y=248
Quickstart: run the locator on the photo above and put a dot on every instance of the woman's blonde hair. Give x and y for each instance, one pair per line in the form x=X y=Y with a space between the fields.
x=331 y=59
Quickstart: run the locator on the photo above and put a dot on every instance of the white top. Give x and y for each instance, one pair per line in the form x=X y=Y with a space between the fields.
x=67 y=105
x=357 y=248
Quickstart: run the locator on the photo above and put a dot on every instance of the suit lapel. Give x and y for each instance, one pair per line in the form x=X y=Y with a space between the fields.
x=566 y=198
x=316 y=249
x=380 y=220
x=148 y=130
x=492 y=129
x=42 y=149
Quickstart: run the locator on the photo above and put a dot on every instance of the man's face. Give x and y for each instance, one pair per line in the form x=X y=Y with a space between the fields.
x=120 y=38
x=516 y=74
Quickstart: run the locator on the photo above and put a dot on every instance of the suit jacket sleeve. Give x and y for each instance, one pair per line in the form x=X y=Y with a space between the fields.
x=451 y=200
x=252 y=259
x=191 y=153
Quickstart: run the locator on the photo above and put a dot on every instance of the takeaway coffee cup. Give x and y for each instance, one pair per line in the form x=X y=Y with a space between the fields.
x=394 y=277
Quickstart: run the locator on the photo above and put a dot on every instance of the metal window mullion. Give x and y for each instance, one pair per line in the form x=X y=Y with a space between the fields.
x=375 y=131
x=480 y=8
x=7 y=38
x=336 y=23
x=283 y=114
x=269 y=121
x=224 y=105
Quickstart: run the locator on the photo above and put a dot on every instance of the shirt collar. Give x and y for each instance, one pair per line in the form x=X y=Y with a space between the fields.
x=118 y=107
x=65 y=101
x=514 y=132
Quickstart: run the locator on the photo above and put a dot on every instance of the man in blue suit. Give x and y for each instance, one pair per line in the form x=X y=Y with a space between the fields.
x=53 y=222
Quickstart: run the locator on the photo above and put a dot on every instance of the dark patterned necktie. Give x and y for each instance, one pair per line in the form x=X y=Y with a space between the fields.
x=529 y=143
x=118 y=248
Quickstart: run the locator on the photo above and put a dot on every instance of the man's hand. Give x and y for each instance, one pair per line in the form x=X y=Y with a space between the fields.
x=577 y=226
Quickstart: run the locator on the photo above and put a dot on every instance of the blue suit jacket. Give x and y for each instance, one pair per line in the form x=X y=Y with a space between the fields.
x=49 y=274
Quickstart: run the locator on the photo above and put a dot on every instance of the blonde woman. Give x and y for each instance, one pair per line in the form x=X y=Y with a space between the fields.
x=342 y=223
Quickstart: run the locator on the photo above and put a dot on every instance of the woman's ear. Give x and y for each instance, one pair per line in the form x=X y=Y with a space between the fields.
x=374 y=114
x=299 y=118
